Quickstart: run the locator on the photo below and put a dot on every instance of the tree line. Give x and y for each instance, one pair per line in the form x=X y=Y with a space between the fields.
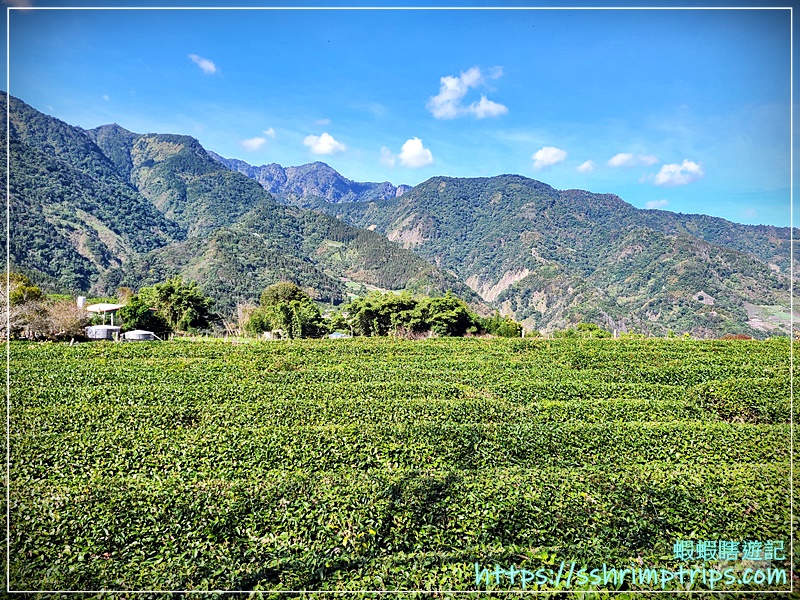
x=290 y=312
x=285 y=310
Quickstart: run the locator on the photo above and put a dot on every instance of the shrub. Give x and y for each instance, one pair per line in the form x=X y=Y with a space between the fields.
x=582 y=330
x=183 y=306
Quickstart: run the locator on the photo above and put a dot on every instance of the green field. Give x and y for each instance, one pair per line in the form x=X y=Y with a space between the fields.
x=369 y=464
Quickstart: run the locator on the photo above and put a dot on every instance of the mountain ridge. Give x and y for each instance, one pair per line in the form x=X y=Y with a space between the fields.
x=316 y=179
x=511 y=238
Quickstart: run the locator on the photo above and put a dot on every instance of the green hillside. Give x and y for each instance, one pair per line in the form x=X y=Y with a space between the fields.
x=188 y=186
x=93 y=210
x=555 y=257
x=72 y=215
x=275 y=243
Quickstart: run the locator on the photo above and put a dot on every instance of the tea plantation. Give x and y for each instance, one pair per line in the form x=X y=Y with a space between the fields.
x=379 y=464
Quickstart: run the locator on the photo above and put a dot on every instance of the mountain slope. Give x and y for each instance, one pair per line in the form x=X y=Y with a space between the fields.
x=554 y=257
x=72 y=214
x=92 y=210
x=239 y=240
x=652 y=283
x=278 y=243
x=117 y=144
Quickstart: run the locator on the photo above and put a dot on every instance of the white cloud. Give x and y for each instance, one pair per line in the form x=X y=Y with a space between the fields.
x=208 y=67
x=623 y=159
x=496 y=72
x=682 y=174
x=656 y=204
x=486 y=108
x=323 y=144
x=447 y=103
x=387 y=158
x=413 y=154
x=376 y=109
x=586 y=167
x=322 y=122
x=106 y=97
x=547 y=157
x=253 y=144
x=269 y=132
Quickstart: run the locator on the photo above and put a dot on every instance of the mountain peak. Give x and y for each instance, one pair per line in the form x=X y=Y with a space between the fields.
x=128 y=209
x=319 y=164
x=112 y=128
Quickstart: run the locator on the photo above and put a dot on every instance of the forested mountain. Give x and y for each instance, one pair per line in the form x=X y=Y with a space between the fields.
x=278 y=243
x=72 y=214
x=554 y=257
x=296 y=185
x=91 y=210
x=176 y=174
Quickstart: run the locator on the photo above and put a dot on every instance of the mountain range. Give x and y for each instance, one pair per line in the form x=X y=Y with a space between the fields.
x=98 y=209
x=314 y=180
x=549 y=255
x=92 y=210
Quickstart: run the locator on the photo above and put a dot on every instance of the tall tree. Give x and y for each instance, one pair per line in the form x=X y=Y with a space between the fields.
x=183 y=306
x=138 y=314
x=384 y=314
x=286 y=307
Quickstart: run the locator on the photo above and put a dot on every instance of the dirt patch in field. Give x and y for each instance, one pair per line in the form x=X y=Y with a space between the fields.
x=771 y=318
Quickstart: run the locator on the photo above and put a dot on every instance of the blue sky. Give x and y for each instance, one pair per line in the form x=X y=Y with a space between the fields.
x=685 y=110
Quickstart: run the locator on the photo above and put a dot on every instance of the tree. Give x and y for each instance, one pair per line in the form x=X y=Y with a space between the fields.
x=450 y=316
x=381 y=314
x=137 y=314
x=20 y=289
x=283 y=291
x=65 y=319
x=503 y=326
x=385 y=314
x=337 y=322
x=286 y=307
x=182 y=306
x=583 y=330
x=25 y=305
x=31 y=315
x=124 y=294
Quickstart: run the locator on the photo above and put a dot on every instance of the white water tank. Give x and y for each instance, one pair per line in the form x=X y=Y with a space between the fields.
x=139 y=335
x=102 y=332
